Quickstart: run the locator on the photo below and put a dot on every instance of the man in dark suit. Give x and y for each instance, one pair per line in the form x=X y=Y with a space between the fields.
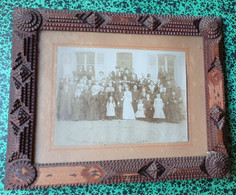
x=173 y=108
x=148 y=80
x=163 y=75
x=141 y=82
x=127 y=74
x=90 y=72
x=135 y=96
x=118 y=73
x=119 y=101
x=149 y=111
x=80 y=73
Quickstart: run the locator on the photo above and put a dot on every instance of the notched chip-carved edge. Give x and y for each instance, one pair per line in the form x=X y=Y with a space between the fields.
x=94 y=19
x=27 y=23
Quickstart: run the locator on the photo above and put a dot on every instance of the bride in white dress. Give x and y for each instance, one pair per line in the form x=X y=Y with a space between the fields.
x=128 y=111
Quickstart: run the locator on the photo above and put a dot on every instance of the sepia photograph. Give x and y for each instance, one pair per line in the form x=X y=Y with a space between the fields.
x=111 y=96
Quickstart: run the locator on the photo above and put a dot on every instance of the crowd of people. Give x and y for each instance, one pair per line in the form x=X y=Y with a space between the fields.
x=121 y=95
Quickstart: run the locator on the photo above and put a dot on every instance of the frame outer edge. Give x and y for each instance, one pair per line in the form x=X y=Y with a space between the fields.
x=217 y=159
x=21 y=123
x=168 y=168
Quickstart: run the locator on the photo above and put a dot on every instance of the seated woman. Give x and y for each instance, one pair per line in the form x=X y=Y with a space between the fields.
x=143 y=94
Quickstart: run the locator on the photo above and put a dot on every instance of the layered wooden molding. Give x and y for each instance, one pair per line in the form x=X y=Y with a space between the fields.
x=21 y=172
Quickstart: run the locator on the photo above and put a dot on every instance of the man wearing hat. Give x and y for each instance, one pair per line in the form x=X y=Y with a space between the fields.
x=119 y=74
x=142 y=82
x=80 y=73
x=170 y=86
x=90 y=72
x=163 y=75
x=148 y=80
x=127 y=74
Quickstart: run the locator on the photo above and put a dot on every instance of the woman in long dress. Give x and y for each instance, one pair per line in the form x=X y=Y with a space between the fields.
x=128 y=111
x=65 y=104
x=158 y=107
x=60 y=109
x=78 y=103
x=94 y=104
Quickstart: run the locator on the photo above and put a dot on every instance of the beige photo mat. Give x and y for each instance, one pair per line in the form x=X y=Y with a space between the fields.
x=47 y=152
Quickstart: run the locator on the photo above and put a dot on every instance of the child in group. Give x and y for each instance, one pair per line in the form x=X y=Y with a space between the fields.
x=111 y=108
x=158 y=107
x=140 y=110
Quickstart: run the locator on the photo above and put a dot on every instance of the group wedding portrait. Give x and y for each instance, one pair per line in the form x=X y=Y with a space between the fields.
x=142 y=91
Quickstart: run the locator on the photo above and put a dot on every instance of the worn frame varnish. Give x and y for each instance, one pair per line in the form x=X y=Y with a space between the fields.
x=23 y=173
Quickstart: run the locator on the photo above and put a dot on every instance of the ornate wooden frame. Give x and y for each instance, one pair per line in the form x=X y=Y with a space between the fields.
x=22 y=172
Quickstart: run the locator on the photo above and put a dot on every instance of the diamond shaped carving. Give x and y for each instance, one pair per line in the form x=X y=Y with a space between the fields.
x=218 y=117
x=22 y=74
x=152 y=170
x=94 y=173
x=93 y=19
x=216 y=64
x=149 y=22
x=160 y=169
x=25 y=73
x=22 y=117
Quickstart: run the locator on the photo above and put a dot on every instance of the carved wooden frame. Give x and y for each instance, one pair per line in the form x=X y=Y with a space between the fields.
x=22 y=172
